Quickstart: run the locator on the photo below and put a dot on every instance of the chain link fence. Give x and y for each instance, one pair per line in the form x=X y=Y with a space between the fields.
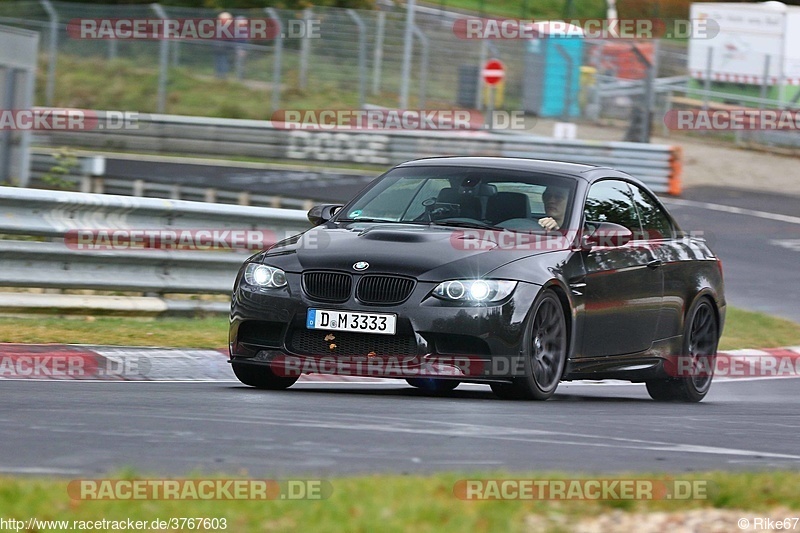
x=325 y=58
x=336 y=52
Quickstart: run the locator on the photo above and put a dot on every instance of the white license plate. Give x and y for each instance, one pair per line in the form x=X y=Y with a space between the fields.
x=381 y=323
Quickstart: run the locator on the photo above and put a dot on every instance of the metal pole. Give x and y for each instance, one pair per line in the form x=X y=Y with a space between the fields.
x=423 y=68
x=163 y=63
x=647 y=105
x=112 y=49
x=5 y=144
x=489 y=124
x=24 y=166
x=765 y=78
x=707 y=81
x=362 y=57
x=276 y=65
x=176 y=53
x=305 y=49
x=407 y=44
x=52 y=52
x=481 y=61
x=378 y=59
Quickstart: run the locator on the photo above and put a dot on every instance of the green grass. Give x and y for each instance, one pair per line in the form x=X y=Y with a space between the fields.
x=209 y=332
x=92 y=82
x=399 y=503
x=743 y=329
x=536 y=9
x=748 y=329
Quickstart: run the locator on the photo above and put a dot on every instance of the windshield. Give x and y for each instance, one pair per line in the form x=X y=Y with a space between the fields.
x=508 y=199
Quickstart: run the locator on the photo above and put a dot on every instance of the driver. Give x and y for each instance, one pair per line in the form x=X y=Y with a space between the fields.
x=555 y=207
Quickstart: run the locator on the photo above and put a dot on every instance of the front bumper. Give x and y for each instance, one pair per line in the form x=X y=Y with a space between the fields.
x=480 y=343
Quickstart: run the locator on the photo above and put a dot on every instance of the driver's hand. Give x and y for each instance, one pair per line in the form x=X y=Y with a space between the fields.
x=548 y=223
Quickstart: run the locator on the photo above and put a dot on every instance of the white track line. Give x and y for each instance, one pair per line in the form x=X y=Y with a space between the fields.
x=735 y=210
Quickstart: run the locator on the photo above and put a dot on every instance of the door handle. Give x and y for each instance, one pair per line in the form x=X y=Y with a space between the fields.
x=655 y=263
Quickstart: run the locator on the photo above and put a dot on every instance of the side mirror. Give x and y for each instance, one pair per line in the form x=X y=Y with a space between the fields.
x=320 y=214
x=606 y=234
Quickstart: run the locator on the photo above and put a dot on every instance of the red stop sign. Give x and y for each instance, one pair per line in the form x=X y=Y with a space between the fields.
x=493 y=72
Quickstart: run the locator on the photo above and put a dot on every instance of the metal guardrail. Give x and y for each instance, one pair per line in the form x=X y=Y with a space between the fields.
x=657 y=165
x=79 y=178
x=40 y=256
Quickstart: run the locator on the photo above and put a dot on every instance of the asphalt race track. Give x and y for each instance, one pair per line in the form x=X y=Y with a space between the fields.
x=757 y=236
x=92 y=427
x=89 y=428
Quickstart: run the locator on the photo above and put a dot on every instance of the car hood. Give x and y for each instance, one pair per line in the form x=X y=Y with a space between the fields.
x=424 y=252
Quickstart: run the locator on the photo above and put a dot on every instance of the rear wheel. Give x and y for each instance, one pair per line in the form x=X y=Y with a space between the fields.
x=261 y=377
x=699 y=357
x=433 y=384
x=545 y=353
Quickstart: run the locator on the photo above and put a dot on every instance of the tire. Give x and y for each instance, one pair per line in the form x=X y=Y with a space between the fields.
x=545 y=353
x=700 y=338
x=433 y=384
x=261 y=377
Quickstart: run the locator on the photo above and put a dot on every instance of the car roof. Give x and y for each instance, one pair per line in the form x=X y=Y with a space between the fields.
x=506 y=163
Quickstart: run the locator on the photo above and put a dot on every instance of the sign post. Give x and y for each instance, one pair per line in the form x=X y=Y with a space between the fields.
x=493 y=73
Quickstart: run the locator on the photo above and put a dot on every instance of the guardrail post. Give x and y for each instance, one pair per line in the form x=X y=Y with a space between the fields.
x=378 y=58
x=52 y=53
x=163 y=62
x=276 y=65
x=362 y=57
x=305 y=49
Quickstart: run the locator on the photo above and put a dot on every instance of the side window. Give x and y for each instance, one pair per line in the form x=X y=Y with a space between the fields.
x=610 y=201
x=655 y=221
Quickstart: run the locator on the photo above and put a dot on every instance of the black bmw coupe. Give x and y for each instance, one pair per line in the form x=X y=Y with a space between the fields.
x=516 y=273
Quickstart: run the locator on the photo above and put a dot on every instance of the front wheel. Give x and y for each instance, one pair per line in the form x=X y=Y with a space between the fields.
x=698 y=358
x=261 y=377
x=545 y=353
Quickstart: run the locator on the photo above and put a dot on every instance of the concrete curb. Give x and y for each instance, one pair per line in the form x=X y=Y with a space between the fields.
x=122 y=363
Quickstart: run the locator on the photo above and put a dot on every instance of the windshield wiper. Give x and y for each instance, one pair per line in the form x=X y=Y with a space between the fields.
x=364 y=220
x=456 y=224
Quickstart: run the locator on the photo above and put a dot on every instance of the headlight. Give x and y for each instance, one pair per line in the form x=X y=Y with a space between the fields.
x=264 y=276
x=474 y=290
